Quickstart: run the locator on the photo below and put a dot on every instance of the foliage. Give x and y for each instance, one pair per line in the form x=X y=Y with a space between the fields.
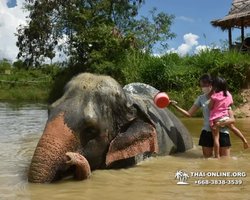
x=176 y=75
x=205 y=60
x=93 y=34
x=185 y=99
x=148 y=33
x=5 y=64
x=132 y=63
x=26 y=84
x=18 y=65
x=233 y=66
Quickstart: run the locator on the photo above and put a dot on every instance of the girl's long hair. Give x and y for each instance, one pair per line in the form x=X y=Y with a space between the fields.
x=220 y=84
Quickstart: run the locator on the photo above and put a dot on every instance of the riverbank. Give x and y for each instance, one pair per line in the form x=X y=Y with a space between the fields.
x=24 y=94
x=244 y=110
x=36 y=85
x=34 y=94
x=25 y=85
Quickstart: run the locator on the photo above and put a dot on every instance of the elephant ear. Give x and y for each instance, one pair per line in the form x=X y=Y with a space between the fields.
x=134 y=138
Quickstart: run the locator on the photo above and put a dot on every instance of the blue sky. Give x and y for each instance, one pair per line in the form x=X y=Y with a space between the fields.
x=194 y=16
x=11 y=3
x=191 y=23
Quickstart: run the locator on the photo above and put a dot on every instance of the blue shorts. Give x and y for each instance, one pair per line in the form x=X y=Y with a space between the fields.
x=206 y=139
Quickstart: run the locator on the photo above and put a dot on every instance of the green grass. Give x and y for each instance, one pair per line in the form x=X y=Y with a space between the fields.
x=24 y=93
x=171 y=73
x=179 y=76
x=25 y=85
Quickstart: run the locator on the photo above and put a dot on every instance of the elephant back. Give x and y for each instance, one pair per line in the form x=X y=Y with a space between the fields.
x=140 y=89
x=172 y=135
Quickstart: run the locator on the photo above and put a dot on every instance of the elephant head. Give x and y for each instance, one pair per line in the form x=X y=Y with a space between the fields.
x=92 y=126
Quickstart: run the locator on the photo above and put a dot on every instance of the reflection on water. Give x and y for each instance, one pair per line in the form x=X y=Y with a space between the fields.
x=21 y=125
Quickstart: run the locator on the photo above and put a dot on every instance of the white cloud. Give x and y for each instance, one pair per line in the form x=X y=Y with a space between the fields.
x=190 y=41
x=202 y=48
x=184 y=49
x=185 y=19
x=157 y=55
x=10 y=19
x=172 y=50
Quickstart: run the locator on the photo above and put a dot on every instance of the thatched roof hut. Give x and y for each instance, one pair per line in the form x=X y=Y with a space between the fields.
x=238 y=17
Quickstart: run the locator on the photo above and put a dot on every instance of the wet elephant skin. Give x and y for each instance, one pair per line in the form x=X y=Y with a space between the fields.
x=97 y=124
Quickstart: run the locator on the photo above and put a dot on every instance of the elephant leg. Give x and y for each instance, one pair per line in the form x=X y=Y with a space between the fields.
x=82 y=165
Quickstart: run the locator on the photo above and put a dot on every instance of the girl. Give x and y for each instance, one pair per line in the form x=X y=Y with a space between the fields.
x=219 y=105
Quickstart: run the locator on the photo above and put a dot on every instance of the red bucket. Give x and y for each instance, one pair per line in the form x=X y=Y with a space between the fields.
x=161 y=100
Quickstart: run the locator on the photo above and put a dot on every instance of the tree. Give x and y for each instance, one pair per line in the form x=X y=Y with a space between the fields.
x=18 y=64
x=178 y=174
x=83 y=29
x=149 y=33
x=5 y=64
x=185 y=176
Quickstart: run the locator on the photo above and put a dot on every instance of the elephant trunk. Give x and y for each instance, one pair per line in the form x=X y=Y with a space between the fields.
x=83 y=170
x=50 y=155
x=44 y=165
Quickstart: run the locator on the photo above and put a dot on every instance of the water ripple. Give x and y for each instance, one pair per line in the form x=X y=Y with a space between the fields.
x=21 y=126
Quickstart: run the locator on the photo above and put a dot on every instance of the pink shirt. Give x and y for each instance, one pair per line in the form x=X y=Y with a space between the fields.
x=220 y=107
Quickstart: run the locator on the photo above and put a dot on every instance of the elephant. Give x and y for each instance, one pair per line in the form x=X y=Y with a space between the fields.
x=97 y=124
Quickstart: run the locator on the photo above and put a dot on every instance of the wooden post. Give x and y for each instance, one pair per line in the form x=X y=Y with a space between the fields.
x=230 y=38
x=242 y=30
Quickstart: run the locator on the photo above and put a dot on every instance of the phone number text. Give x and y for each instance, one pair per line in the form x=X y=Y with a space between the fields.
x=218 y=182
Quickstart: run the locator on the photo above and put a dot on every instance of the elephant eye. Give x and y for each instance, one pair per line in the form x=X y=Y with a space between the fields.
x=91 y=130
x=88 y=134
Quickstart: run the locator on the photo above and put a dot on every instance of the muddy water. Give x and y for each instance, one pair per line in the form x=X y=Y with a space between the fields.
x=21 y=125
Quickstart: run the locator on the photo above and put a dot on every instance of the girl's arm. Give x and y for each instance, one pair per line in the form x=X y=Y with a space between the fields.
x=211 y=104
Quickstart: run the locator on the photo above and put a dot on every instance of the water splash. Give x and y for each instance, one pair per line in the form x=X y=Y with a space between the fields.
x=140 y=89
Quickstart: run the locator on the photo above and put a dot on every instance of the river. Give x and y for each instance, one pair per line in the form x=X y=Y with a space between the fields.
x=21 y=126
